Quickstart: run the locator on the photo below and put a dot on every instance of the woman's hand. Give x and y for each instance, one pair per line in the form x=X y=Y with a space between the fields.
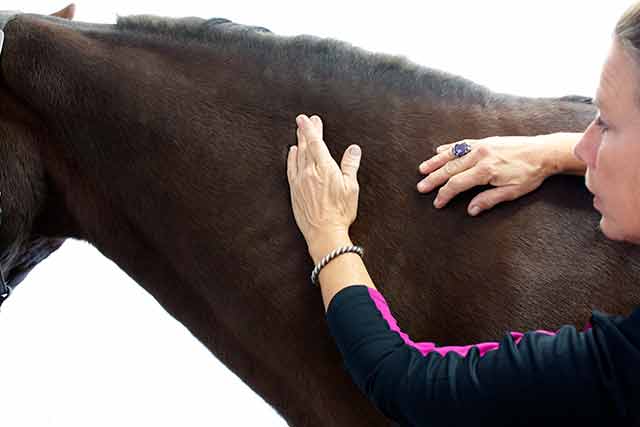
x=324 y=196
x=514 y=164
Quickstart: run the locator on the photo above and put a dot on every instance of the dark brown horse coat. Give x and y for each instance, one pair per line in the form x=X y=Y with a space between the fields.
x=163 y=143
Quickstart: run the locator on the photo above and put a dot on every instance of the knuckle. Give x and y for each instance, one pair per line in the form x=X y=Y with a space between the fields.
x=439 y=178
x=324 y=164
x=443 y=192
x=490 y=201
x=487 y=170
x=452 y=185
x=483 y=150
x=449 y=167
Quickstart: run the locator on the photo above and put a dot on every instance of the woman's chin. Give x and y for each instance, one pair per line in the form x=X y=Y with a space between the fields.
x=613 y=232
x=607 y=229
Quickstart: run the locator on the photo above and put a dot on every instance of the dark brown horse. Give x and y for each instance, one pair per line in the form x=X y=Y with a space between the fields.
x=163 y=143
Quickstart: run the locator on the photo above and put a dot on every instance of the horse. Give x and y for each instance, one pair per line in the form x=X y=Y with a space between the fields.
x=163 y=143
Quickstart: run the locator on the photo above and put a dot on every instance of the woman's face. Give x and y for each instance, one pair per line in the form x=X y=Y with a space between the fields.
x=610 y=147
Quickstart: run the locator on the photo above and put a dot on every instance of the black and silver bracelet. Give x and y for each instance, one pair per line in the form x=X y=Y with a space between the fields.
x=316 y=271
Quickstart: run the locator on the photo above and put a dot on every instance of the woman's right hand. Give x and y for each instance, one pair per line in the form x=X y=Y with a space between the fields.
x=515 y=165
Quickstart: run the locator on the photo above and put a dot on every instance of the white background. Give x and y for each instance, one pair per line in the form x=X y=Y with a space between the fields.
x=83 y=345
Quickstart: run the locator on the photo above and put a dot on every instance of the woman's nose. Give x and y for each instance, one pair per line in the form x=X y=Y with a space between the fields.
x=587 y=148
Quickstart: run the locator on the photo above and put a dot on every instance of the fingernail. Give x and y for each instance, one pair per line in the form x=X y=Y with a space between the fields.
x=436 y=203
x=474 y=211
x=422 y=165
x=355 y=150
x=422 y=186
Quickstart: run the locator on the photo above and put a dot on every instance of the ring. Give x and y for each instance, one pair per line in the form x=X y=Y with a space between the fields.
x=460 y=149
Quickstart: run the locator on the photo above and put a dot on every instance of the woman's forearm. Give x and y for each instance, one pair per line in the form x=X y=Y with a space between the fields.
x=342 y=271
x=559 y=155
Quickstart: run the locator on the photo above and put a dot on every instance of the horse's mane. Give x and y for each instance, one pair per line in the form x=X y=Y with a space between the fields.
x=325 y=58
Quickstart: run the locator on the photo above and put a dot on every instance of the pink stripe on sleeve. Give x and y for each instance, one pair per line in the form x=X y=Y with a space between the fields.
x=427 y=347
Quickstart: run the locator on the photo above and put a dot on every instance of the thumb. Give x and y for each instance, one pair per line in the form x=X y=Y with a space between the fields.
x=351 y=161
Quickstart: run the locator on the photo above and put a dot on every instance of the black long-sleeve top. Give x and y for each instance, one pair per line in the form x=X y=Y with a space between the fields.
x=578 y=378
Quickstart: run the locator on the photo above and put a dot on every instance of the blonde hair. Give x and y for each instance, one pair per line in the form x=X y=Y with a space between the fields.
x=627 y=31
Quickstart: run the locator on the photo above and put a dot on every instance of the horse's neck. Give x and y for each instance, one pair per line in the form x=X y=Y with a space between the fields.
x=132 y=155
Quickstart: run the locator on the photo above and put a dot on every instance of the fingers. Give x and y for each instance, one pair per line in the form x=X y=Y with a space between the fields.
x=490 y=198
x=316 y=149
x=292 y=167
x=301 y=157
x=447 y=165
x=459 y=183
x=440 y=148
x=443 y=156
x=318 y=122
x=436 y=162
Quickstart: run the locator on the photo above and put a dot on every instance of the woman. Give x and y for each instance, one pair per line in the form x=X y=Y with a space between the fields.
x=593 y=375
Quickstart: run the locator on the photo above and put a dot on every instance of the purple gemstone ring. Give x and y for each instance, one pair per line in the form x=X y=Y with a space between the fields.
x=460 y=149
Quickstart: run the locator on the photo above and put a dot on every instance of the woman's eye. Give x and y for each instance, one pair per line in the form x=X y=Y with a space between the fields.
x=602 y=125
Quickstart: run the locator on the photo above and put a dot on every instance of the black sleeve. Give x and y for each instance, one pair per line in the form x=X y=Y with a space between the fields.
x=592 y=375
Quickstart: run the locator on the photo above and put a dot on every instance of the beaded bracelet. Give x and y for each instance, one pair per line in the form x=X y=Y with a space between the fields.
x=316 y=271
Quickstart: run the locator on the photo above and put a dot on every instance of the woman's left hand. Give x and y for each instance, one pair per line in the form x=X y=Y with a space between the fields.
x=324 y=196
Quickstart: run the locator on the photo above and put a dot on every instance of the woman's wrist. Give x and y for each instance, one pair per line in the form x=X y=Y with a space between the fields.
x=325 y=242
x=342 y=271
x=558 y=157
